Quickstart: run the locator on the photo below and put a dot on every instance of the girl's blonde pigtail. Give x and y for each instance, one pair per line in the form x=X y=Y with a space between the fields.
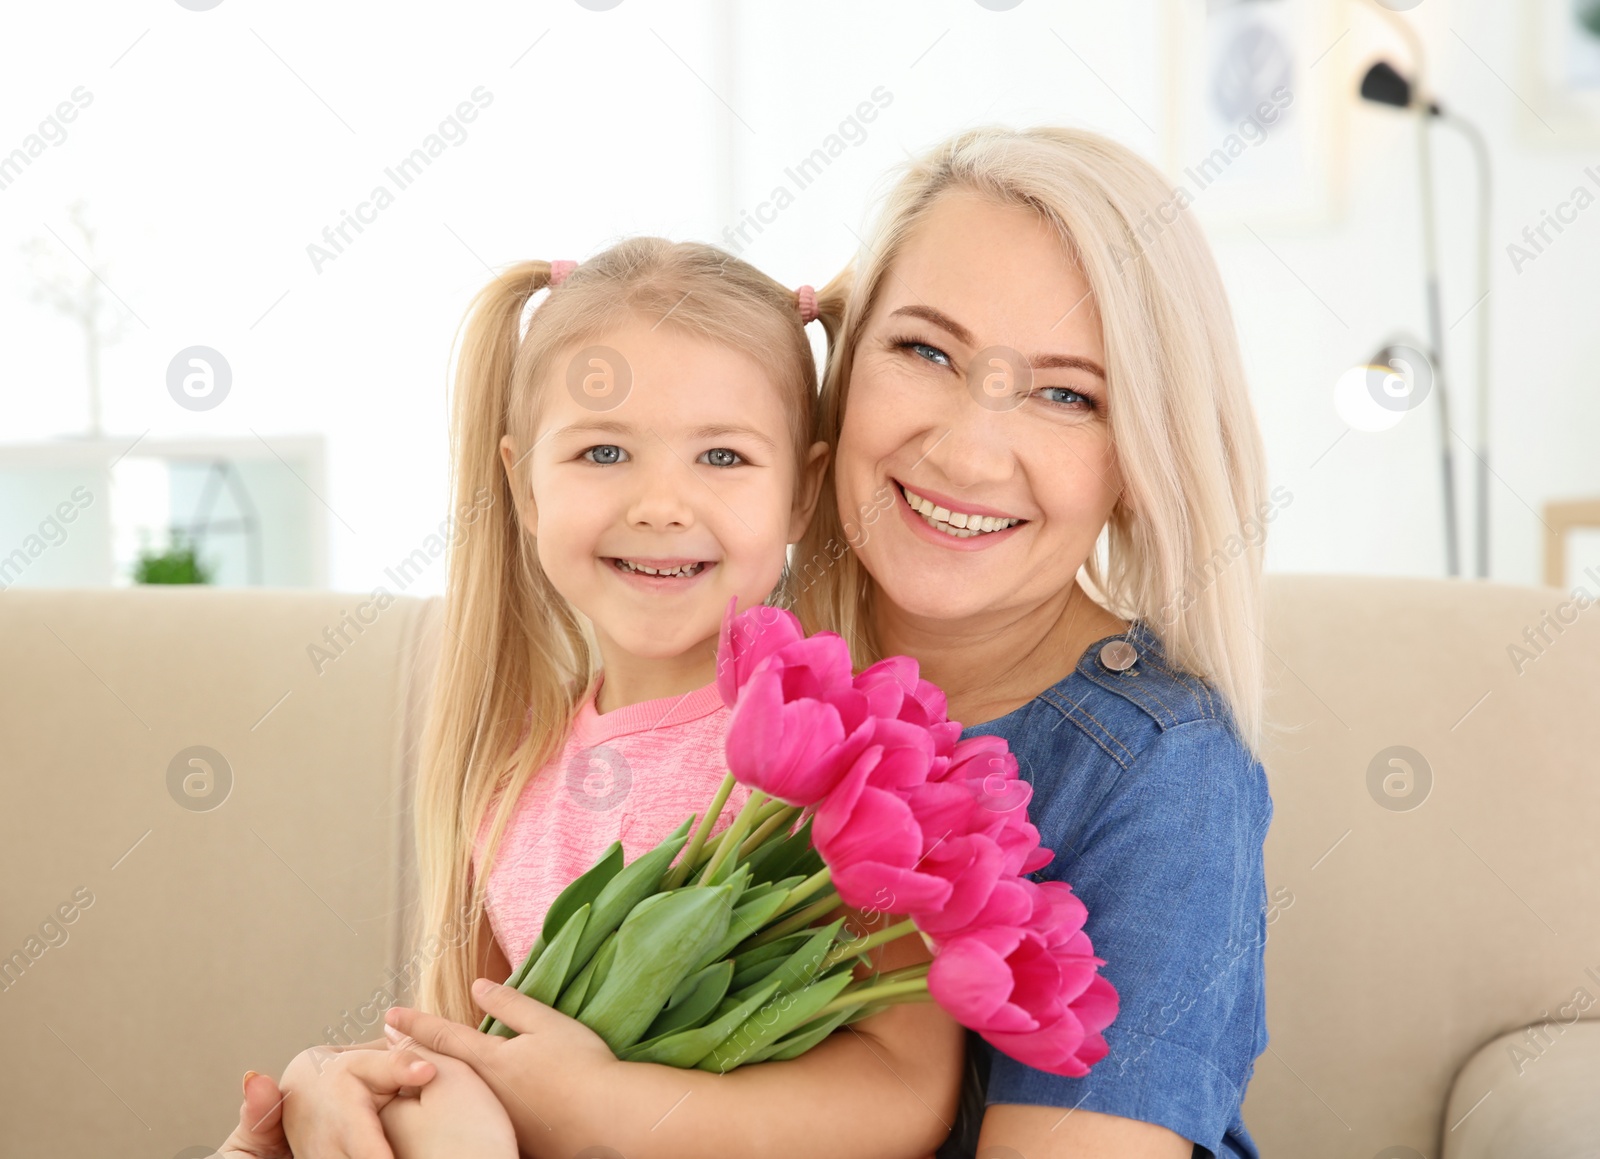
x=505 y=661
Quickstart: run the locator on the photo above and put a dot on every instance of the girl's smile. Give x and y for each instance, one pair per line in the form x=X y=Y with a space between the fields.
x=659 y=575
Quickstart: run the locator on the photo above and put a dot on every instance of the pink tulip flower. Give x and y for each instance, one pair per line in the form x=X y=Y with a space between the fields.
x=865 y=829
x=1040 y=1005
x=746 y=640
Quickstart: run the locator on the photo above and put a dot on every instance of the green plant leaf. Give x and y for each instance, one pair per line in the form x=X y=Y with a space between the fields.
x=771 y=1021
x=687 y=1047
x=543 y=982
x=571 y=1001
x=631 y=885
x=802 y=963
x=656 y=949
x=753 y=965
x=776 y=859
x=746 y=920
x=549 y=973
x=694 y=1000
x=804 y=1038
x=581 y=891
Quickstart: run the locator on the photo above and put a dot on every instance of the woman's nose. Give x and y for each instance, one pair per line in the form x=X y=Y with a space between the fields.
x=970 y=445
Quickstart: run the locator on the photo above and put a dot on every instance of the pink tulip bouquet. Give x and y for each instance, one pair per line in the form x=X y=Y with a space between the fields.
x=862 y=795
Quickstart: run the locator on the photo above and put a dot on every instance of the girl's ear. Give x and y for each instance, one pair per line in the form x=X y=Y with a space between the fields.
x=521 y=496
x=809 y=487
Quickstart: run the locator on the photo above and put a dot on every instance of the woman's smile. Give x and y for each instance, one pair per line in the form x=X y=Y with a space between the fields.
x=963 y=521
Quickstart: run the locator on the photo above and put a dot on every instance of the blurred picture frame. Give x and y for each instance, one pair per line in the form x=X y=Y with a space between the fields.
x=1254 y=125
x=1561 y=74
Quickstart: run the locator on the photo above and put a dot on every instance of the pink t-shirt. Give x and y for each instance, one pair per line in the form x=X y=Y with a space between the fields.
x=632 y=775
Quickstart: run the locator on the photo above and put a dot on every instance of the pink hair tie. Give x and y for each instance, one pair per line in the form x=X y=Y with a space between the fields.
x=559 y=271
x=806 y=299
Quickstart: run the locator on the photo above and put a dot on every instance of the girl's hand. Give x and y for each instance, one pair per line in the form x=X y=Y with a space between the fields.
x=455 y=1114
x=542 y=1077
x=332 y=1099
x=259 y=1134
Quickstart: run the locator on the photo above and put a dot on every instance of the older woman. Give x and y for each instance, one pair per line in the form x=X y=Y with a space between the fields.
x=1047 y=488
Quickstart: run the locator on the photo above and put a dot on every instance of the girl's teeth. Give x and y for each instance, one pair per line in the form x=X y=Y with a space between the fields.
x=681 y=572
x=956 y=523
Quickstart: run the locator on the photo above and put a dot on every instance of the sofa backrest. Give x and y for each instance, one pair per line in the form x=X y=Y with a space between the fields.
x=204 y=848
x=159 y=948
x=1413 y=921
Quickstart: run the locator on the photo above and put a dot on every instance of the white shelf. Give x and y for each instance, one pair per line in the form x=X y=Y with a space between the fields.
x=72 y=510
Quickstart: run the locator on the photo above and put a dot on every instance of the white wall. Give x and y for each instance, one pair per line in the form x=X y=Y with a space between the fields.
x=219 y=144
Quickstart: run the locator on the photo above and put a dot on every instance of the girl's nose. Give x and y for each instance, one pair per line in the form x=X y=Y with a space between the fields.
x=660 y=501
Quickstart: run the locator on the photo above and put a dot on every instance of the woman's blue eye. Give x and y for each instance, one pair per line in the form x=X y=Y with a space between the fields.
x=930 y=353
x=605 y=454
x=1054 y=394
x=721 y=457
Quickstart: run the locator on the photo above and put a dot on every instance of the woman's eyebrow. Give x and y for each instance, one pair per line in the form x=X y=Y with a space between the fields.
x=1068 y=362
x=961 y=334
x=940 y=319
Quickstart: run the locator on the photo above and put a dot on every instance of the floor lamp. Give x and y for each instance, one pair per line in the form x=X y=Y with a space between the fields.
x=1383 y=85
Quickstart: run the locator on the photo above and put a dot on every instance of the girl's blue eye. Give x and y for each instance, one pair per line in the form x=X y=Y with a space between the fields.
x=605 y=454
x=720 y=457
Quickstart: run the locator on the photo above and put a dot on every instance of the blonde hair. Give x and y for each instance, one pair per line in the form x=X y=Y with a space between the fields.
x=1177 y=550
x=516 y=661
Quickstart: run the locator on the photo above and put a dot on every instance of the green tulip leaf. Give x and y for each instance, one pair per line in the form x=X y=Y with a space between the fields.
x=802 y=963
x=746 y=921
x=694 y=1000
x=630 y=886
x=805 y=1037
x=655 y=950
x=577 y=990
x=687 y=1047
x=771 y=1021
x=754 y=965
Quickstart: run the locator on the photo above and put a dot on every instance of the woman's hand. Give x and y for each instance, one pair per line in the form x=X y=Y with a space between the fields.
x=331 y=1098
x=259 y=1134
x=542 y=1077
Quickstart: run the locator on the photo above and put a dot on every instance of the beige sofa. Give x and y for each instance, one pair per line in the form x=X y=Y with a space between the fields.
x=204 y=861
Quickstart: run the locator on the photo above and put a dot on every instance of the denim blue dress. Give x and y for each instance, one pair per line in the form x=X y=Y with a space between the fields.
x=1157 y=812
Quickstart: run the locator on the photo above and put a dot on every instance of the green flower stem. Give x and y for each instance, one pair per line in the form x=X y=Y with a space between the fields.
x=774 y=805
x=821 y=879
x=904 y=973
x=796 y=921
x=713 y=843
x=771 y=809
x=678 y=872
x=914 y=990
x=777 y=819
x=734 y=834
x=861 y=945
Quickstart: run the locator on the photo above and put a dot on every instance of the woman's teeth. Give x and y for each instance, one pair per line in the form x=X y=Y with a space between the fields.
x=683 y=571
x=956 y=523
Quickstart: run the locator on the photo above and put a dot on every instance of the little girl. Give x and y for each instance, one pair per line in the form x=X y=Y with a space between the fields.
x=651 y=439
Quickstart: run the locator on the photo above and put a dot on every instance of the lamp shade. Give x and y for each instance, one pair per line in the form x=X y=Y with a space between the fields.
x=1385 y=86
